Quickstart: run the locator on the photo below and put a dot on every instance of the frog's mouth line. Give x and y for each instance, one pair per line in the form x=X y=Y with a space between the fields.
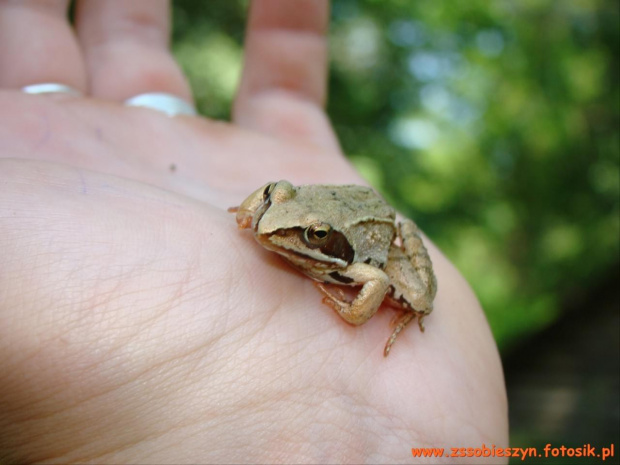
x=286 y=252
x=336 y=252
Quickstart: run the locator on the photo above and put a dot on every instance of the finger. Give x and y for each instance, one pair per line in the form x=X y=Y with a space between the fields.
x=37 y=45
x=126 y=48
x=283 y=86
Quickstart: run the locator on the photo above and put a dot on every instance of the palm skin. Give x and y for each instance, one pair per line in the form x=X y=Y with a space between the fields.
x=137 y=324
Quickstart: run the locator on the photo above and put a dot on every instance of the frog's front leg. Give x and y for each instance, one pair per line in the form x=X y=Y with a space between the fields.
x=375 y=284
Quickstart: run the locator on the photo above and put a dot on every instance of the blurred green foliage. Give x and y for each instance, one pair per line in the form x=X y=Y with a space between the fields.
x=494 y=124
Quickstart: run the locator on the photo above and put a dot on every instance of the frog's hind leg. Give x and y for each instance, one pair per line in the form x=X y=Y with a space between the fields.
x=402 y=321
x=413 y=247
x=413 y=283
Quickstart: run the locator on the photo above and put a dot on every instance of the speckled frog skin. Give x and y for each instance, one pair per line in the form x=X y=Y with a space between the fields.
x=347 y=236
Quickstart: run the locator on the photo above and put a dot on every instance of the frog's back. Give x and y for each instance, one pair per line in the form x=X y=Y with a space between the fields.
x=366 y=220
x=344 y=203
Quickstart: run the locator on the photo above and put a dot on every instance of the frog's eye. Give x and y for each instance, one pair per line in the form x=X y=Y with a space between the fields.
x=317 y=234
x=268 y=190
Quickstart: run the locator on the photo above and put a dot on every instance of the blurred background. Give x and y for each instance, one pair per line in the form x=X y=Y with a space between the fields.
x=494 y=124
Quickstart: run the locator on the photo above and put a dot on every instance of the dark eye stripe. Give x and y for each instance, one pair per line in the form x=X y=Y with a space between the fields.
x=338 y=246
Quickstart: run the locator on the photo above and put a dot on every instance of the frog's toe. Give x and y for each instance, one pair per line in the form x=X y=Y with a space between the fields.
x=421 y=323
x=403 y=320
x=334 y=295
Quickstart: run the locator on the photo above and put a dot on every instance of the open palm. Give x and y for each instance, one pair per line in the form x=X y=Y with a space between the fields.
x=137 y=324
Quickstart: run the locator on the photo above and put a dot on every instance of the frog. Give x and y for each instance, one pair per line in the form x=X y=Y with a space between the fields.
x=346 y=235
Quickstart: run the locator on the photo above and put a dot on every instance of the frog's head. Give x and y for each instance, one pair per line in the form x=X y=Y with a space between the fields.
x=292 y=227
x=258 y=202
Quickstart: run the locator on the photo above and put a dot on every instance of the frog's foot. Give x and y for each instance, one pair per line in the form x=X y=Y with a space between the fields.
x=351 y=311
x=397 y=318
x=334 y=298
x=402 y=321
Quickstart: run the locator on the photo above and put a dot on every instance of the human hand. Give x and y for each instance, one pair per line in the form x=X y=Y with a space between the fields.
x=137 y=324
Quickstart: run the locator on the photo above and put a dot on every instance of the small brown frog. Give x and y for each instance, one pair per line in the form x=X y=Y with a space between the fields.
x=345 y=235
